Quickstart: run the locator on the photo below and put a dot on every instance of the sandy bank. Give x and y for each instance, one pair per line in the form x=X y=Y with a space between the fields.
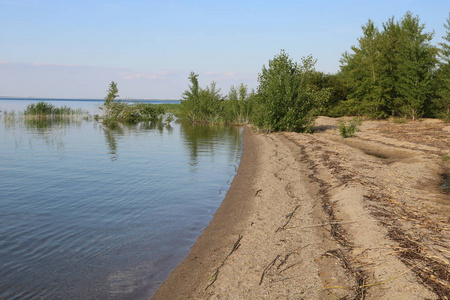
x=319 y=217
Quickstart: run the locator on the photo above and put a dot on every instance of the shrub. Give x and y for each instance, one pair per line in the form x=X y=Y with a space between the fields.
x=238 y=106
x=201 y=104
x=284 y=99
x=349 y=129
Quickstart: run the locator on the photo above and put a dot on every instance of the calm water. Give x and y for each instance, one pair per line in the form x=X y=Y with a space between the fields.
x=90 y=213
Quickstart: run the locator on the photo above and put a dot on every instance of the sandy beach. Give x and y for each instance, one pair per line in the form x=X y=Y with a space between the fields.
x=317 y=216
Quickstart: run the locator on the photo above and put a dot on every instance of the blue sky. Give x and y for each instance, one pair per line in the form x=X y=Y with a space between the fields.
x=73 y=49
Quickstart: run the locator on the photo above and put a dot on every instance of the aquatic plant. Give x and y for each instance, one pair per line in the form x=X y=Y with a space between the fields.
x=44 y=109
x=128 y=113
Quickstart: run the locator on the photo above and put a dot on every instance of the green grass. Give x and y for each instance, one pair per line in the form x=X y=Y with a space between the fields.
x=44 y=109
x=400 y=120
x=173 y=108
x=445 y=157
x=349 y=128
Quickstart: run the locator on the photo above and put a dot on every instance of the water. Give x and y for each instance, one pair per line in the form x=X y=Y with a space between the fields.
x=92 y=106
x=446 y=183
x=90 y=213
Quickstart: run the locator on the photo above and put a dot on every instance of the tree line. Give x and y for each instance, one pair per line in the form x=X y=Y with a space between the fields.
x=394 y=71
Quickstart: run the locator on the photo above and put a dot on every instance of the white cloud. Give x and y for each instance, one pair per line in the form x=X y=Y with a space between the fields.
x=40 y=79
x=149 y=75
x=223 y=75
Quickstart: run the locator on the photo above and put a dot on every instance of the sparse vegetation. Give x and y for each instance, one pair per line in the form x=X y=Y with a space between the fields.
x=349 y=128
x=399 y=120
x=445 y=157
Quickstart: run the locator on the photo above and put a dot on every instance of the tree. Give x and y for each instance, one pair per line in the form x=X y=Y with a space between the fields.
x=201 y=104
x=362 y=71
x=285 y=101
x=443 y=76
x=112 y=94
x=238 y=105
x=391 y=71
x=416 y=68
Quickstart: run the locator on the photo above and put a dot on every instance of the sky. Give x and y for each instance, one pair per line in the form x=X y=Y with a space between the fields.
x=74 y=49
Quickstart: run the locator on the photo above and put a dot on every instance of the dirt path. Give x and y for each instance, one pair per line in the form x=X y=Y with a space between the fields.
x=316 y=216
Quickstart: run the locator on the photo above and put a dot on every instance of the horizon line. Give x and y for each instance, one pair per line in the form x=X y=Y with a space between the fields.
x=84 y=99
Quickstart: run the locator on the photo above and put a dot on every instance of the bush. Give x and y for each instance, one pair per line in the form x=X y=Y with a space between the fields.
x=238 y=106
x=285 y=101
x=201 y=104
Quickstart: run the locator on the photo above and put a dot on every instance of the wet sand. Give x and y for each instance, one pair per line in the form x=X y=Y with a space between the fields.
x=316 y=216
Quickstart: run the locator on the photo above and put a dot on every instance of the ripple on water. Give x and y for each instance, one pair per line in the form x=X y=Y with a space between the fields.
x=90 y=213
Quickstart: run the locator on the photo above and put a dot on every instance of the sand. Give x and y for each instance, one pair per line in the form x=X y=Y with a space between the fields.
x=317 y=216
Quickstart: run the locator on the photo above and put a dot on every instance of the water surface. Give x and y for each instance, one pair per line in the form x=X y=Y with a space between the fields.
x=91 y=213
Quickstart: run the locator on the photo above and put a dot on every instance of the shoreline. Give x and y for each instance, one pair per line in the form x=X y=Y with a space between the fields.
x=214 y=242
x=316 y=216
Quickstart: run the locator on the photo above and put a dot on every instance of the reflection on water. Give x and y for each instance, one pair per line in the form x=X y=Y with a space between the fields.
x=93 y=213
x=200 y=138
x=121 y=130
x=51 y=123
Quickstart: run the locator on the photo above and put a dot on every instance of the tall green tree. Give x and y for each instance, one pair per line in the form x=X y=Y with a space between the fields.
x=285 y=100
x=443 y=75
x=111 y=94
x=362 y=71
x=391 y=71
x=418 y=59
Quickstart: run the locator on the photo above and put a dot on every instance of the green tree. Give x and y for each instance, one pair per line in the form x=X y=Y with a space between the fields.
x=112 y=94
x=238 y=105
x=201 y=104
x=443 y=76
x=361 y=70
x=416 y=68
x=391 y=72
x=285 y=100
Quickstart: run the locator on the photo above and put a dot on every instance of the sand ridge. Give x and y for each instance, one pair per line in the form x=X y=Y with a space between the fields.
x=316 y=216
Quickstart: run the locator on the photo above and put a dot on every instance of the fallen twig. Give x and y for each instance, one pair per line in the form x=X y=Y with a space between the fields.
x=324 y=224
x=214 y=276
x=267 y=268
x=289 y=217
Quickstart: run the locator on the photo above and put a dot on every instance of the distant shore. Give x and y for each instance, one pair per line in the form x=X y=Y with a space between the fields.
x=80 y=99
x=316 y=216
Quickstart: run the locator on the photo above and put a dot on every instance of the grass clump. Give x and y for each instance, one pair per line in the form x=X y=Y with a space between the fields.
x=349 y=128
x=445 y=157
x=43 y=109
